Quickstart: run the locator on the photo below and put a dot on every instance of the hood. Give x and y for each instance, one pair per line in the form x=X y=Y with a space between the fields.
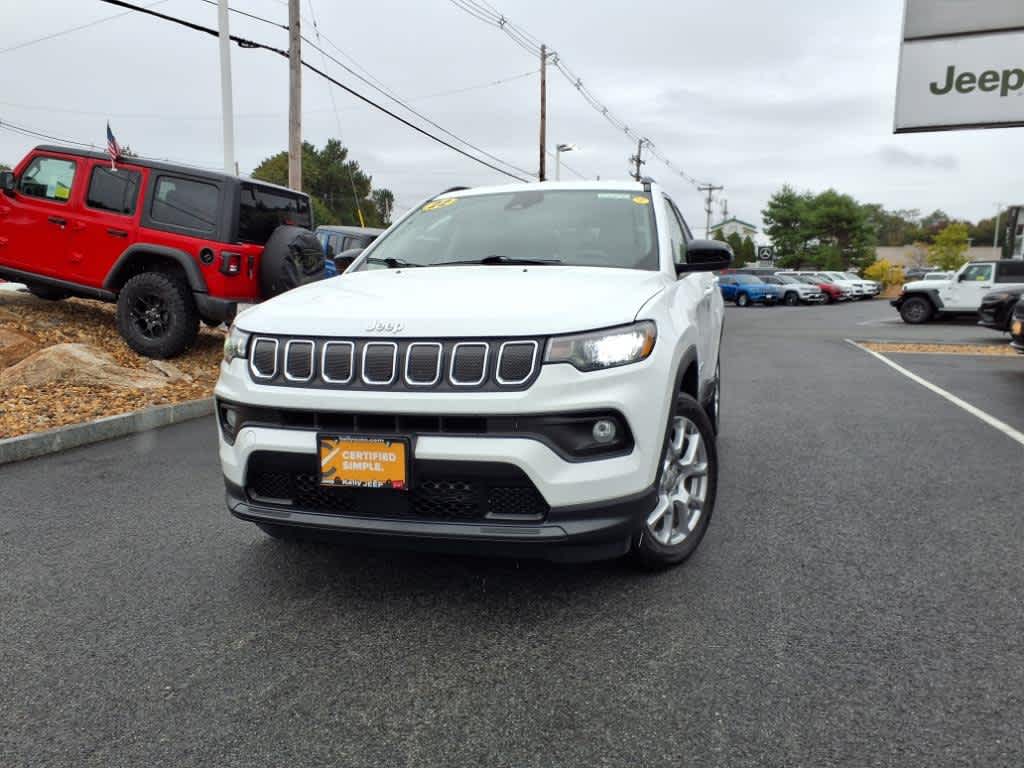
x=459 y=301
x=924 y=285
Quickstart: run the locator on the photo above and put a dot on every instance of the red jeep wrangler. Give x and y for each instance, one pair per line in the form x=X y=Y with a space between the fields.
x=172 y=245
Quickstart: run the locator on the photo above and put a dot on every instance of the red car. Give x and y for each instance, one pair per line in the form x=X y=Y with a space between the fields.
x=171 y=244
x=833 y=293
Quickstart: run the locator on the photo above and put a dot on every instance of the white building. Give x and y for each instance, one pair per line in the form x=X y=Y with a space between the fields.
x=733 y=225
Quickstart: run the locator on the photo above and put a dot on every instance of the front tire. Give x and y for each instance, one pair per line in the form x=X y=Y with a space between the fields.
x=687 y=482
x=791 y=299
x=156 y=315
x=916 y=310
x=742 y=300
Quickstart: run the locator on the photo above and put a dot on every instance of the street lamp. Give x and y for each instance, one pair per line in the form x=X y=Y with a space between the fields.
x=558 y=158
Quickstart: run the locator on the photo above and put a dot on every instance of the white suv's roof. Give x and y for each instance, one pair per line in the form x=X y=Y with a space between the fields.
x=546 y=186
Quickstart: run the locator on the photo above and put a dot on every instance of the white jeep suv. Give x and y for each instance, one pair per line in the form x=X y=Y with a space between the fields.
x=526 y=370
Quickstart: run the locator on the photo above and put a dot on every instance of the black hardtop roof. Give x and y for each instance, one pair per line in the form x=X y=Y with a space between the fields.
x=160 y=165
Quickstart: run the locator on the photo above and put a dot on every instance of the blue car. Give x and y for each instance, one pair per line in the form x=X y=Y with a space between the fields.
x=747 y=289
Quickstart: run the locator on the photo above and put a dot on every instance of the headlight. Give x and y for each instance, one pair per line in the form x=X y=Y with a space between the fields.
x=604 y=349
x=236 y=344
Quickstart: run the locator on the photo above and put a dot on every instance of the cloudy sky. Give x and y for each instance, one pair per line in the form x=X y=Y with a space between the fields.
x=744 y=93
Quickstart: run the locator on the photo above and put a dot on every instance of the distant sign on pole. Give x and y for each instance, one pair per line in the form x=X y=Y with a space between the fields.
x=961 y=65
x=765 y=253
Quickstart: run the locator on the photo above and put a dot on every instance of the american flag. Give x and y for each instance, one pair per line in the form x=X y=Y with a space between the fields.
x=112 y=147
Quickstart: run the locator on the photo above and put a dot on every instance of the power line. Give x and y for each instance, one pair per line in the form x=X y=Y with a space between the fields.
x=375 y=83
x=245 y=43
x=487 y=13
x=68 y=31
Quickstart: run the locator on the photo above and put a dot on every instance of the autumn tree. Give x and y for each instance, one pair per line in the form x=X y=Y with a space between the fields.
x=949 y=250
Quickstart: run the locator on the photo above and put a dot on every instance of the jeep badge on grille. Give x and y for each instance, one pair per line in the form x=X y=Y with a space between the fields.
x=380 y=326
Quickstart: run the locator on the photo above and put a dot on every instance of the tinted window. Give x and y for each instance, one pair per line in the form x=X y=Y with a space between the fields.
x=747 y=279
x=49 y=178
x=263 y=209
x=185 y=203
x=727 y=280
x=114 y=191
x=586 y=227
x=1010 y=272
x=676 y=234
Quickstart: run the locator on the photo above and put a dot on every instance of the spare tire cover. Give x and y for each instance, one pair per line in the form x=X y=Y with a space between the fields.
x=292 y=257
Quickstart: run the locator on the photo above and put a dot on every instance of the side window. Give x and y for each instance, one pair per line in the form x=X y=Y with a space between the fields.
x=185 y=203
x=337 y=244
x=1010 y=272
x=979 y=273
x=114 y=191
x=676 y=234
x=49 y=178
x=262 y=209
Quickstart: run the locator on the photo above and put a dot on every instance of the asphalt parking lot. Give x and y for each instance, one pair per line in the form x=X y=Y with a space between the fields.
x=856 y=602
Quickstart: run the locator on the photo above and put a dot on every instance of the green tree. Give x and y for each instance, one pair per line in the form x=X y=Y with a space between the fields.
x=983 y=232
x=4 y=167
x=384 y=202
x=840 y=221
x=339 y=188
x=949 y=249
x=747 y=252
x=787 y=223
x=736 y=243
x=720 y=237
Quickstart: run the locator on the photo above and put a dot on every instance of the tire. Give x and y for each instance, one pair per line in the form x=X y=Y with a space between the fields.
x=156 y=314
x=742 y=300
x=47 y=293
x=916 y=310
x=669 y=539
x=715 y=409
x=791 y=299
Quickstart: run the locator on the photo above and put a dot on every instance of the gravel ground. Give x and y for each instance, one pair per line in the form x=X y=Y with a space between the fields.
x=33 y=409
x=1004 y=350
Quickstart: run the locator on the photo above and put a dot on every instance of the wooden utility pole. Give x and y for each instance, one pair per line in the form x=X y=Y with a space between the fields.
x=543 y=109
x=637 y=159
x=294 y=97
x=710 y=189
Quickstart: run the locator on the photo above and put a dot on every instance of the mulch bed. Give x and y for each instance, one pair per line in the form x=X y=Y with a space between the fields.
x=33 y=409
x=996 y=350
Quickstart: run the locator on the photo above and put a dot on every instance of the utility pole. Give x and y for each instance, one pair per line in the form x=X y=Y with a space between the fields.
x=543 y=108
x=995 y=235
x=227 y=112
x=294 y=97
x=710 y=189
x=637 y=159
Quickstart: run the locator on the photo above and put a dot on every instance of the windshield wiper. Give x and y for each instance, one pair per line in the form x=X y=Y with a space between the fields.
x=393 y=263
x=496 y=259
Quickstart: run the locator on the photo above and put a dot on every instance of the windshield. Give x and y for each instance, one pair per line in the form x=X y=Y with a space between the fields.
x=592 y=228
x=848 y=276
x=786 y=279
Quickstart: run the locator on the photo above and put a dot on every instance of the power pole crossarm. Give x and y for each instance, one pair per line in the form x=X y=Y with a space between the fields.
x=637 y=159
x=294 y=97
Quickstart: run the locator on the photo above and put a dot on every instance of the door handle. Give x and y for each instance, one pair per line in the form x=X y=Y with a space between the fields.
x=116 y=232
x=58 y=221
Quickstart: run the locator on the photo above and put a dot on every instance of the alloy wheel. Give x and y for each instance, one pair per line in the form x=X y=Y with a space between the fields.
x=683 y=488
x=150 y=316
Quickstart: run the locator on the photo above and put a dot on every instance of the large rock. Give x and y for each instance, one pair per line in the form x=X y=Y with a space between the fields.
x=15 y=347
x=77 y=364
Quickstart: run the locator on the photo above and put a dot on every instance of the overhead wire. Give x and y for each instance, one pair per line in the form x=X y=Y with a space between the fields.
x=375 y=83
x=487 y=13
x=246 y=43
x=69 y=30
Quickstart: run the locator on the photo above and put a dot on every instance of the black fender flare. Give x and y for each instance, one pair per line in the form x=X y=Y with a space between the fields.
x=193 y=274
x=932 y=294
x=689 y=358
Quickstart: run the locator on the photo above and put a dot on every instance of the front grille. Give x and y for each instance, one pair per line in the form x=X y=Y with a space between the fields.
x=414 y=365
x=441 y=491
x=516 y=361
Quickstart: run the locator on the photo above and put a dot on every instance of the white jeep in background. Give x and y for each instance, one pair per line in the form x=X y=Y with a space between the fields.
x=924 y=300
x=526 y=370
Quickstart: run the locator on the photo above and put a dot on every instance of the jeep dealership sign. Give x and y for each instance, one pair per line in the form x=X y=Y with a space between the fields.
x=961 y=65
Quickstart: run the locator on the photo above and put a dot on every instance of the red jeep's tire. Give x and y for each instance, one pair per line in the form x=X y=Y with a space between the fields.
x=156 y=314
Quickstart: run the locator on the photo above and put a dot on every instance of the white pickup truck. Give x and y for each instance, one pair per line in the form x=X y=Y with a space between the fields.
x=924 y=300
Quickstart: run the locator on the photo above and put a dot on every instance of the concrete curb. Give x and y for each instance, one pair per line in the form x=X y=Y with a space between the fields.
x=63 y=438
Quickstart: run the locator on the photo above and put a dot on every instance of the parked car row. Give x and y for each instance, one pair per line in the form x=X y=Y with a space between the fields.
x=761 y=285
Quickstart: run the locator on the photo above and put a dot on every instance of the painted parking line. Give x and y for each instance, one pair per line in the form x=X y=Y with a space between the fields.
x=992 y=421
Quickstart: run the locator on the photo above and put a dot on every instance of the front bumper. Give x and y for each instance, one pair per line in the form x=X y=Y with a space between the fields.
x=571 y=533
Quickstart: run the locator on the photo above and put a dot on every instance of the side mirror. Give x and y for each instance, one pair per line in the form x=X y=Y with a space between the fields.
x=344 y=259
x=705 y=256
x=961 y=277
x=7 y=182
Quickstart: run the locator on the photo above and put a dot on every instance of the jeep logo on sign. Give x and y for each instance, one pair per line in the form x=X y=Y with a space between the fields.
x=380 y=326
x=990 y=80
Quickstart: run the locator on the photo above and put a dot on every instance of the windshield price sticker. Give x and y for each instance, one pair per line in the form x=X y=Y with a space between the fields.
x=433 y=205
x=641 y=200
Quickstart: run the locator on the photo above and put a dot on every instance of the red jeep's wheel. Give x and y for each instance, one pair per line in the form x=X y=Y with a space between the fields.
x=156 y=314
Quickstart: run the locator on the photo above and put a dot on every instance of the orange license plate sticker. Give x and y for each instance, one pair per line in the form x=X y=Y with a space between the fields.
x=364 y=463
